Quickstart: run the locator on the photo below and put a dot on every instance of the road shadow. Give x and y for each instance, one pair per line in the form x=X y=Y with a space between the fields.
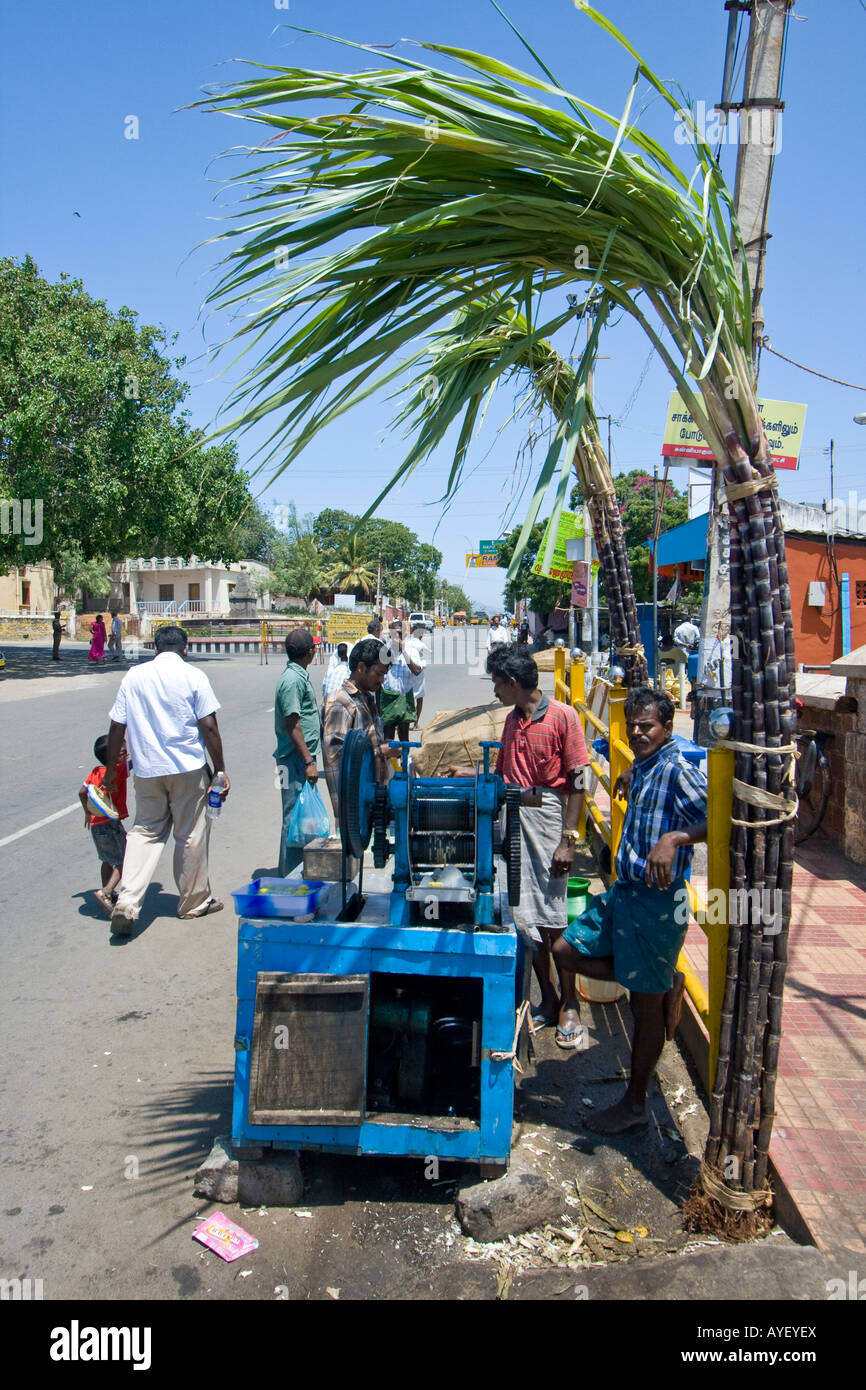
x=32 y=662
x=183 y=1122
x=158 y=902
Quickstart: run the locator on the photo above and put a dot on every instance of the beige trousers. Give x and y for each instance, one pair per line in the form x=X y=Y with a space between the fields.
x=176 y=803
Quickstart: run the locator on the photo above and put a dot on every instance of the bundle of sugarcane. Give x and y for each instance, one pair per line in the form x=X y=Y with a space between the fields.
x=367 y=225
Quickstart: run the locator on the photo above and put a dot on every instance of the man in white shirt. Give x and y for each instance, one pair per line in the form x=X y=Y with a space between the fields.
x=417 y=651
x=687 y=635
x=166 y=710
x=497 y=634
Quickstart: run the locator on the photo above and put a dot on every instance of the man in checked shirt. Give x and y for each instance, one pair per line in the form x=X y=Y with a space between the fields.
x=635 y=931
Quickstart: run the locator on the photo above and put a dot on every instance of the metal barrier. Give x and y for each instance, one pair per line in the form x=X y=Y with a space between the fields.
x=720 y=796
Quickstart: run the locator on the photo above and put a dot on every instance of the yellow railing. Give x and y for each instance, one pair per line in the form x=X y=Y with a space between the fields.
x=720 y=776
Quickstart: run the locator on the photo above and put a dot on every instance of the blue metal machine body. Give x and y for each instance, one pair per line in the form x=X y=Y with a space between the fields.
x=371 y=945
x=472 y=953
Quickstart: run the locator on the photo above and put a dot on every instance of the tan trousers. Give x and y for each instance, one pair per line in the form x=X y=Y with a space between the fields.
x=176 y=803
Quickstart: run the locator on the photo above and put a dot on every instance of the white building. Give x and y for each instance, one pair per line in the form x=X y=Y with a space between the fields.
x=172 y=587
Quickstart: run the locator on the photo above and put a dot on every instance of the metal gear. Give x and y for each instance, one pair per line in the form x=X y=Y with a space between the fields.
x=381 y=817
x=512 y=843
x=357 y=780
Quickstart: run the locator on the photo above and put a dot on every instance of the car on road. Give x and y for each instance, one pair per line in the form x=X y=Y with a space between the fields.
x=422 y=619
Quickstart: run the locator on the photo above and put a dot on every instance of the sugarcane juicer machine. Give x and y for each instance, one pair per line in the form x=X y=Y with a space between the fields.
x=385 y=1022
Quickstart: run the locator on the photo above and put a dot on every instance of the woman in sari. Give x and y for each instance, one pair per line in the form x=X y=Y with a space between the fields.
x=97 y=646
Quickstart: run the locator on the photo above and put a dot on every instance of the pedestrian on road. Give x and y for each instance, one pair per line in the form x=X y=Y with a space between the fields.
x=354 y=707
x=57 y=633
x=115 y=641
x=298 y=728
x=337 y=672
x=544 y=750
x=635 y=931
x=109 y=836
x=497 y=635
x=417 y=651
x=167 y=711
x=97 y=645
x=397 y=703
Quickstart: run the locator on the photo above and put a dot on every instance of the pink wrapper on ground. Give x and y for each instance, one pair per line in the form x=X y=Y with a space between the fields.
x=223 y=1236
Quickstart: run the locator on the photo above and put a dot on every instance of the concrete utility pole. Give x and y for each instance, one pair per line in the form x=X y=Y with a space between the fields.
x=759 y=141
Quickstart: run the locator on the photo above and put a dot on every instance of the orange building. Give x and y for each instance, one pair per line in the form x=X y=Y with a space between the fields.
x=817 y=617
x=821 y=549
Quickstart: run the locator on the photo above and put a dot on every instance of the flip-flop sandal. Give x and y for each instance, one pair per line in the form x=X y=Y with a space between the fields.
x=103 y=901
x=570 y=1038
x=540 y=1021
x=213 y=906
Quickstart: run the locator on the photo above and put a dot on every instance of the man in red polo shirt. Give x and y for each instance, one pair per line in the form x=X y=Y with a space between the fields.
x=543 y=748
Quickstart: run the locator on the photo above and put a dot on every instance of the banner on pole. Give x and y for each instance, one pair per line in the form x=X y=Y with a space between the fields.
x=481 y=562
x=784 y=422
x=570 y=526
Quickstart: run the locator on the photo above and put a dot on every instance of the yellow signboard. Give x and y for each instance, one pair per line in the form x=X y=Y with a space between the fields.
x=783 y=421
x=560 y=567
x=481 y=562
x=347 y=627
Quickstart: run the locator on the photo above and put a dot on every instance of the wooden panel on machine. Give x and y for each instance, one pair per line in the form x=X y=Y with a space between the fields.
x=309 y=1050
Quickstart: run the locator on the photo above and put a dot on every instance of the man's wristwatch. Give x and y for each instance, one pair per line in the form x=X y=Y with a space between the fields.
x=574 y=837
x=311 y=762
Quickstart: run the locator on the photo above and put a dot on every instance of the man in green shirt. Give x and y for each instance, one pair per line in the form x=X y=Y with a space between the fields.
x=299 y=735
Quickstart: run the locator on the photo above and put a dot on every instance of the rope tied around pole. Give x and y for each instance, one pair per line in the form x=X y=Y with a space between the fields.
x=730 y=1200
x=769 y=801
x=734 y=491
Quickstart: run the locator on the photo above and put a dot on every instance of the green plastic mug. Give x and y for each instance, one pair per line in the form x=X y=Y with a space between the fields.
x=577 y=897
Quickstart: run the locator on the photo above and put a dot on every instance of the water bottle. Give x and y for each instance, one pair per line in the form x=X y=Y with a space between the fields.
x=214 y=798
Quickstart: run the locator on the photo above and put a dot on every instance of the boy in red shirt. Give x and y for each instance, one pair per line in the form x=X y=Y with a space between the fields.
x=109 y=836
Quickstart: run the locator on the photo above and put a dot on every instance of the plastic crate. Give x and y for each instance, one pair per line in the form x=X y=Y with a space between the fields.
x=279 y=897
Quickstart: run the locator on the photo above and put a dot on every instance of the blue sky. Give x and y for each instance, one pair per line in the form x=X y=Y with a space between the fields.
x=70 y=74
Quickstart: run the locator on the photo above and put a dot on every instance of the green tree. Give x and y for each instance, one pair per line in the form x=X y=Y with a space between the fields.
x=350 y=572
x=90 y=422
x=456 y=598
x=72 y=572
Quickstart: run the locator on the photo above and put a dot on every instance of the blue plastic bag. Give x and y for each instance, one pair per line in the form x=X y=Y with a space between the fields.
x=309 y=819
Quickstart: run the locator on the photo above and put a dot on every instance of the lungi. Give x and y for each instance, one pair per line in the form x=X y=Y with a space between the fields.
x=542 y=897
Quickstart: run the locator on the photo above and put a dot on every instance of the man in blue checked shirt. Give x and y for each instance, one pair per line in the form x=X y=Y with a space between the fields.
x=634 y=932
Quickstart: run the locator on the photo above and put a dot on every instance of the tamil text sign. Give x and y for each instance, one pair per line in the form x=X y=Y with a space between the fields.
x=783 y=421
x=346 y=627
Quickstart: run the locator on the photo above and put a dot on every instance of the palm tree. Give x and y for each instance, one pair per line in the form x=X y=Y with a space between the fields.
x=350 y=569
x=369 y=223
